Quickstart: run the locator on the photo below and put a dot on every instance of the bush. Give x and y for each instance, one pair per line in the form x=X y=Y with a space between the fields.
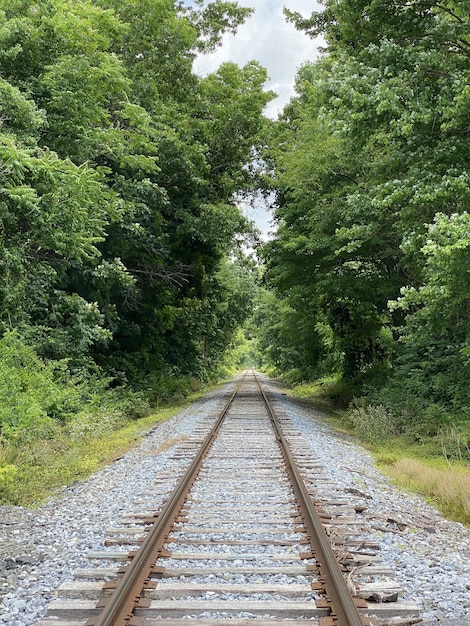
x=294 y=376
x=374 y=424
x=7 y=475
x=91 y=425
x=31 y=391
x=167 y=387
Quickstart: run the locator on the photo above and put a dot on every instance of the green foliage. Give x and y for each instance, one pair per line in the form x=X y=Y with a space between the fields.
x=373 y=424
x=122 y=276
x=118 y=181
x=286 y=340
x=214 y=19
x=33 y=394
x=242 y=353
x=37 y=396
x=8 y=471
x=369 y=162
x=164 y=388
x=94 y=424
x=330 y=392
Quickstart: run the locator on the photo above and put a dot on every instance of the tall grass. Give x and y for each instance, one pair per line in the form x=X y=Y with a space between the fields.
x=448 y=488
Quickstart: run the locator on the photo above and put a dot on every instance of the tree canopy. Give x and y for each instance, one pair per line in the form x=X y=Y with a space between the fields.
x=120 y=233
x=370 y=165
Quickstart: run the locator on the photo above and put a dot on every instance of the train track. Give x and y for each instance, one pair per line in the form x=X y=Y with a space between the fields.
x=237 y=532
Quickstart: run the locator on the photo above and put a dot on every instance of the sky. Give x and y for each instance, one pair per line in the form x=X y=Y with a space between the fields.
x=279 y=47
x=269 y=39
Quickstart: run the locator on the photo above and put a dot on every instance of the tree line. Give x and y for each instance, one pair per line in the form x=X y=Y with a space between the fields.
x=370 y=264
x=121 y=247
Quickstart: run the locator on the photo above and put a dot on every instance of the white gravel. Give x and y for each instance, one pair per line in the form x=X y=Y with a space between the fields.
x=40 y=548
x=429 y=555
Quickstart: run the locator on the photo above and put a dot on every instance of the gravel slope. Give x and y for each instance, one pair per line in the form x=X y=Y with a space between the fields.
x=431 y=556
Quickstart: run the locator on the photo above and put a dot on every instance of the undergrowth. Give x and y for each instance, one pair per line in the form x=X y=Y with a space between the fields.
x=427 y=454
x=41 y=468
x=59 y=425
x=329 y=390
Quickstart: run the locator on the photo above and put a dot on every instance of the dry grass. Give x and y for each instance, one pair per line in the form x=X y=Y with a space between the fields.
x=449 y=488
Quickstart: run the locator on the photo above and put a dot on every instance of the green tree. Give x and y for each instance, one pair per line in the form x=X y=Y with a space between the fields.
x=434 y=360
x=372 y=148
x=155 y=176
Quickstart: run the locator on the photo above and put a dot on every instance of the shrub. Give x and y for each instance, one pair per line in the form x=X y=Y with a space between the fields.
x=374 y=424
x=330 y=388
x=167 y=387
x=31 y=391
x=91 y=425
x=7 y=475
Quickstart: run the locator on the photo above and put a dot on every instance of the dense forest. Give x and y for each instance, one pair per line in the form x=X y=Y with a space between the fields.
x=369 y=270
x=123 y=253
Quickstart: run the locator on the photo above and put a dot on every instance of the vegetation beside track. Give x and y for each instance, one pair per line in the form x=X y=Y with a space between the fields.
x=39 y=466
x=367 y=275
x=434 y=466
x=123 y=274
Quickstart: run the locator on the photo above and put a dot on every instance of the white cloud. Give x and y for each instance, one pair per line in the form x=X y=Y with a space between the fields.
x=281 y=49
x=269 y=39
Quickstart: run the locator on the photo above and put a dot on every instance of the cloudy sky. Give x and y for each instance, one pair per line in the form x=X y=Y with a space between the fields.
x=269 y=39
x=281 y=49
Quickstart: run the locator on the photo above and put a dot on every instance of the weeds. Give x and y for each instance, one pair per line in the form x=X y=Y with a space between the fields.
x=448 y=488
x=455 y=444
x=339 y=392
x=92 y=425
x=373 y=424
x=57 y=426
x=8 y=472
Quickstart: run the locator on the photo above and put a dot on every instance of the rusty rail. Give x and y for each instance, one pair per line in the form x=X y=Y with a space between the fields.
x=343 y=609
x=118 y=610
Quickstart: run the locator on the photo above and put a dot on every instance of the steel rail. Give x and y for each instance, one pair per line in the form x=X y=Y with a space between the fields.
x=119 y=608
x=343 y=609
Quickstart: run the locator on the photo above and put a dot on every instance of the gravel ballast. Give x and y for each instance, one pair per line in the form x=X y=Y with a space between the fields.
x=40 y=548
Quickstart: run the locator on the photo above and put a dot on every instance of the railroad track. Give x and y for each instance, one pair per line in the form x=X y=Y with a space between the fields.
x=237 y=532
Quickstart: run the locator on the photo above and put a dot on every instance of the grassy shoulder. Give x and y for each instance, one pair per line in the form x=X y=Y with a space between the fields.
x=41 y=467
x=417 y=466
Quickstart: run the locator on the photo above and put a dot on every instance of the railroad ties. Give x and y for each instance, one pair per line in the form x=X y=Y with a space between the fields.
x=235 y=540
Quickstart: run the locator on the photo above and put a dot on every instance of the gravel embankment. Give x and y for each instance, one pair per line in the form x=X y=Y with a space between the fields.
x=429 y=555
x=40 y=548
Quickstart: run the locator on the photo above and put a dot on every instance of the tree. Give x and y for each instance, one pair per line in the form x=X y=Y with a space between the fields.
x=373 y=147
x=434 y=360
x=132 y=143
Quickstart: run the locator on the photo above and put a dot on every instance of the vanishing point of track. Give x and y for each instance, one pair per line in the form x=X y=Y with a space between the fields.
x=242 y=511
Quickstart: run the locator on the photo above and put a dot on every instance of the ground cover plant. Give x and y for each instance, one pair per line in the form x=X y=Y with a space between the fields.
x=435 y=466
